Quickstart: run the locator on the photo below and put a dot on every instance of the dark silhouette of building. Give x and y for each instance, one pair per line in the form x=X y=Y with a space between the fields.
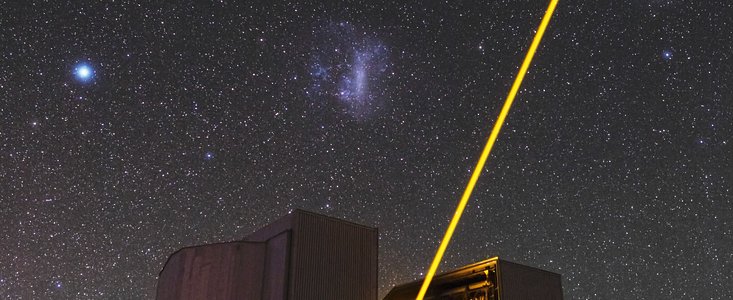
x=300 y=256
x=307 y=256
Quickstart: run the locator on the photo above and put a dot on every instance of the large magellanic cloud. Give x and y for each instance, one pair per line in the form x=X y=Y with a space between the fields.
x=347 y=68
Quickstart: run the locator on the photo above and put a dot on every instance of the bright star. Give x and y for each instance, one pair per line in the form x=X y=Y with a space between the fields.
x=83 y=72
x=209 y=155
x=667 y=54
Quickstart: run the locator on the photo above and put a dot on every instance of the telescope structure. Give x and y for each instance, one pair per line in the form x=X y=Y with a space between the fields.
x=308 y=256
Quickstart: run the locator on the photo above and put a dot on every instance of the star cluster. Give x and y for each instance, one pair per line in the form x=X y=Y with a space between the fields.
x=129 y=130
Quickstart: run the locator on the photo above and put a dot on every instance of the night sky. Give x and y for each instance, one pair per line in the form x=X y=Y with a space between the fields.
x=129 y=130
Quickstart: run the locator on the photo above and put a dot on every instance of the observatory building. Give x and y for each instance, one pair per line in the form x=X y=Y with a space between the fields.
x=307 y=256
x=491 y=279
x=300 y=256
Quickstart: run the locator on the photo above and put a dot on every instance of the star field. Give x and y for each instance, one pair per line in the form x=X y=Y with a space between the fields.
x=129 y=130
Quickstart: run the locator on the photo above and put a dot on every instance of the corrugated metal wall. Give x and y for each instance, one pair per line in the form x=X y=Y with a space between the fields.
x=218 y=271
x=302 y=256
x=519 y=282
x=333 y=259
x=277 y=261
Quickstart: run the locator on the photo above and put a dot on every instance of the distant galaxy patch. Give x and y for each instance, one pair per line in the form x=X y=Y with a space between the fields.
x=348 y=68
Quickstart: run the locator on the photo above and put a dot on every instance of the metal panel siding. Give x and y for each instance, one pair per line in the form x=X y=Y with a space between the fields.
x=302 y=256
x=169 y=281
x=332 y=259
x=273 y=229
x=275 y=275
x=218 y=271
x=519 y=282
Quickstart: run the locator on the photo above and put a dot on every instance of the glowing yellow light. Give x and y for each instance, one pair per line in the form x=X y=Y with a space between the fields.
x=487 y=150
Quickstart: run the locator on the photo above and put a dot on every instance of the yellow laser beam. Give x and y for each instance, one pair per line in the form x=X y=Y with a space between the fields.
x=487 y=149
